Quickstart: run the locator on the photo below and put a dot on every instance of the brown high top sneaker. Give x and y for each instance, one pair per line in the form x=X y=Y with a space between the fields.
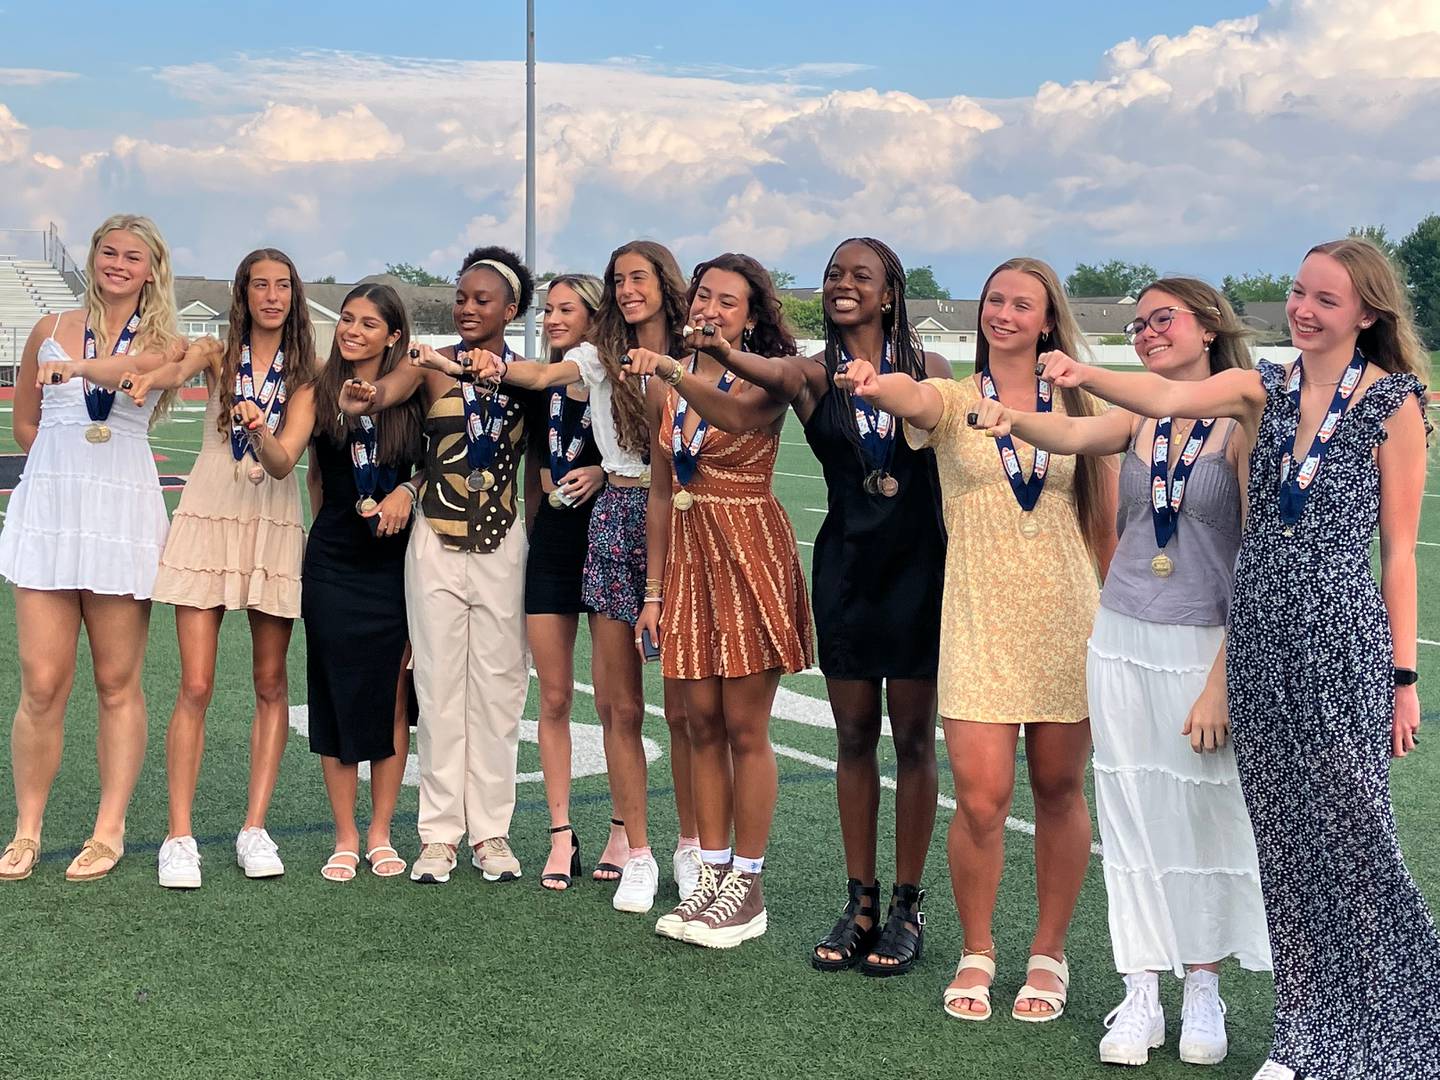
x=737 y=914
x=672 y=924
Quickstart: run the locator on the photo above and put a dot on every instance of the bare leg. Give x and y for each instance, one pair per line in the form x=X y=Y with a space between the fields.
x=387 y=774
x=748 y=702
x=552 y=646
x=198 y=633
x=270 y=729
x=48 y=627
x=680 y=765
x=620 y=701
x=341 y=782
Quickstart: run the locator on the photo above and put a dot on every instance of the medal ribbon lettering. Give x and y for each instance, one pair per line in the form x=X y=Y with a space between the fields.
x=483 y=423
x=562 y=459
x=687 y=457
x=1027 y=492
x=1167 y=489
x=98 y=400
x=372 y=480
x=1295 y=484
x=271 y=399
x=877 y=427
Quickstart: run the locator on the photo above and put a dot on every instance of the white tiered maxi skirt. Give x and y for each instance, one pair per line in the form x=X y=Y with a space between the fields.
x=1180 y=863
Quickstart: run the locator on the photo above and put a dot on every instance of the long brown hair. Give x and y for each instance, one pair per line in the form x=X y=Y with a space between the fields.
x=297 y=337
x=614 y=337
x=1390 y=341
x=399 y=427
x=1230 y=347
x=771 y=335
x=1064 y=335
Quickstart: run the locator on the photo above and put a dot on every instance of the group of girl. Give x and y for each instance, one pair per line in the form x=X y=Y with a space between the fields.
x=1241 y=748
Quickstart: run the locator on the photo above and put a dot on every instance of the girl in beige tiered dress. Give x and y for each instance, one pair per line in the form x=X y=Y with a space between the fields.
x=235 y=544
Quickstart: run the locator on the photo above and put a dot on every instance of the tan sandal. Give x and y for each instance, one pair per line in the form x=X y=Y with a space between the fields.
x=977 y=961
x=1055 y=999
x=93 y=852
x=18 y=848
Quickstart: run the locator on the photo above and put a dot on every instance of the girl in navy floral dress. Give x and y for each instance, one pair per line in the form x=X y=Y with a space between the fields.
x=1321 y=661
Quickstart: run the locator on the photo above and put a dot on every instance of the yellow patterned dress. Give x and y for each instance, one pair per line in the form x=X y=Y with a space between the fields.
x=1017 y=610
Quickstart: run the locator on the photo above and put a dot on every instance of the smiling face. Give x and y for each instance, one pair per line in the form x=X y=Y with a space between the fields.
x=722 y=298
x=483 y=304
x=123 y=265
x=268 y=294
x=363 y=333
x=637 y=288
x=1014 y=313
x=1324 y=309
x=854 y=290
x=567 y=319
x=1179 y=350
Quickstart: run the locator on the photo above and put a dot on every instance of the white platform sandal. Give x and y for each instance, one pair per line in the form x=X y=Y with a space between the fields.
x=977 y=961
x=1055 y=999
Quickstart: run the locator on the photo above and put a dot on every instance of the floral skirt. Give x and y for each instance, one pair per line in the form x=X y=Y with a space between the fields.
x=614 y=578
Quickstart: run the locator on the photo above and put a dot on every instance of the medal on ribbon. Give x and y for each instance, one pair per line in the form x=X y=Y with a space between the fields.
x=484 y=422
x=686 y=455
x=1295 y=483
x=270 y=400
x=1027 y=491
x=98 y=400
x=371 y=478
x=1167 y=490
x=563 y=452
x=877 y=438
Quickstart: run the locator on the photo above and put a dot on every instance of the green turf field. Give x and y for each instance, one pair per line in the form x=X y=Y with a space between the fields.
x=302 y=978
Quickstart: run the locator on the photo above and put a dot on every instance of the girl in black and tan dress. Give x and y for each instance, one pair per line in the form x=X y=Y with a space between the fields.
x=353 y=575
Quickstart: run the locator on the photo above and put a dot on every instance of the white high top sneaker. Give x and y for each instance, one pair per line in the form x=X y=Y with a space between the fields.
x=1202 y=1020
x=1137 y=1025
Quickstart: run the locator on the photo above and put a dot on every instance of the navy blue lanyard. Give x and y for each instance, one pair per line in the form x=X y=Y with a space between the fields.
x=483 y=423
x=562 y=452
x=1166 y=489
x=370 y=476
x=1295 y=483
x=1027 y=492
x=98 y=400
x=876 y=427
x=270 y=399
x=687 y=455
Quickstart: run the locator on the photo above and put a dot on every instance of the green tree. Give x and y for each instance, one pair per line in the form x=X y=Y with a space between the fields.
x=328 y=279
x=1420 y=254
x=806 y=317
x=920 y=284
x=782 y=279
x=1376 y=235
x=1254 y=288
x=416 y=275
x=1114 y=278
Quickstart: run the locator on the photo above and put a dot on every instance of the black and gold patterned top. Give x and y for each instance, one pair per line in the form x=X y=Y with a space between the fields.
x=463 y=519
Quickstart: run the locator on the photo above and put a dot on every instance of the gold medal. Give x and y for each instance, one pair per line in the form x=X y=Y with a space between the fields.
x=366 y=505
x=1162 y=566
x=683 y=500
x=555 y=500
x=97 y=433
x=256 y=474
x=1029 y=527
x=889 y=486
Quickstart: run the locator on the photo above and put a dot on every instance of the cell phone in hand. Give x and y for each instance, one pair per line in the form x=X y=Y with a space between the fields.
x=648 y=647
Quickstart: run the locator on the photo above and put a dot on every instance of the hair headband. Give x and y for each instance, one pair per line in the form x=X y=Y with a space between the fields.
x=501 y=269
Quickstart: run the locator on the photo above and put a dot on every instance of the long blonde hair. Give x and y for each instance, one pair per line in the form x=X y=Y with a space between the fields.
x=1064 y=335
x=590 y=290
x=159 y=314
x=1231 y=345
x=1391 y=341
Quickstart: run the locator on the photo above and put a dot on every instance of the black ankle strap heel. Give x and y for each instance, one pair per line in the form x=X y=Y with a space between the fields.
x=848 y=938
x=902 y=942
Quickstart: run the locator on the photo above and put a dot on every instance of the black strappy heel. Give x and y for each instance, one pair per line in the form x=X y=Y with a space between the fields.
x=848 y=938
x=903 y=939
x=566 y=879
x=609 y=867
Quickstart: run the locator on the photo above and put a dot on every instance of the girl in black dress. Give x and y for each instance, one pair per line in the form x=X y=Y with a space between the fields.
x=353 y=584
x=877 y=580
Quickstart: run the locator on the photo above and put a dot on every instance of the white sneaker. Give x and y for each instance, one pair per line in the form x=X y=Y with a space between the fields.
x=638 y=882
x=687 y=870
x=1137 y=1025
x=1202 y=1020
x=257 y=854
x=179 y=863
x=1273 y=1070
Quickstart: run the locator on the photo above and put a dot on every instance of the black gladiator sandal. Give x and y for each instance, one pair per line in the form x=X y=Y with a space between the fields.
x=903 y=939
x=848 y=938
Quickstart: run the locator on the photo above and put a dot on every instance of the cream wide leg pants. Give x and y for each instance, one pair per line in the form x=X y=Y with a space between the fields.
x=467 y=633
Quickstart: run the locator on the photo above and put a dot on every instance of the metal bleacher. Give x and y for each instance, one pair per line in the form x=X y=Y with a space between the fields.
x=31 y=287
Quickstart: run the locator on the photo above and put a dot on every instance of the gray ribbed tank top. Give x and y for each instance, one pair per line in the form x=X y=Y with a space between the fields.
x=1203 y=548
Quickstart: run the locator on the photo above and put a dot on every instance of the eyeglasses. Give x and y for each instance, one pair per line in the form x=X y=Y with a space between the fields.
x=1159 y=320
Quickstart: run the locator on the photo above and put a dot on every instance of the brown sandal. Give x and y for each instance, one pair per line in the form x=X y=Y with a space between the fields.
x=93 y=851
x=19 y=848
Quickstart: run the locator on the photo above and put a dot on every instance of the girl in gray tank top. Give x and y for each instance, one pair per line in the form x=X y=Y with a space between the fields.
x=1180 y=864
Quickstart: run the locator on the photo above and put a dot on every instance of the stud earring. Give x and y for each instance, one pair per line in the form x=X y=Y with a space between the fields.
x=885 y=308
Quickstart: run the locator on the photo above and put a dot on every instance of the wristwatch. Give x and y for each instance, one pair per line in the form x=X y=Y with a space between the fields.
x=1405 y=676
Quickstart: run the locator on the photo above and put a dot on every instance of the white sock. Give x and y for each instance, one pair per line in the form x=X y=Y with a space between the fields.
x=715 y=858
x=749 y=866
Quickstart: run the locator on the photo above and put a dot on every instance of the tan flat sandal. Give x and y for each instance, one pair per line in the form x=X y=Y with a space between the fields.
x=19 y=848
x=93 y=852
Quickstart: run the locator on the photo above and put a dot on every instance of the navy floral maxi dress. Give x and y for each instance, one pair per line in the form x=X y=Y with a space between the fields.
x=1357 y=960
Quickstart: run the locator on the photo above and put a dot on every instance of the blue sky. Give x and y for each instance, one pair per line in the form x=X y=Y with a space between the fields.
x=1204 y=138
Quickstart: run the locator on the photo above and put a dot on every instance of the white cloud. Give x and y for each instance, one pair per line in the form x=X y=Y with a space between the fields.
x=300 y=134
x=32 y=76
x=14 y=136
